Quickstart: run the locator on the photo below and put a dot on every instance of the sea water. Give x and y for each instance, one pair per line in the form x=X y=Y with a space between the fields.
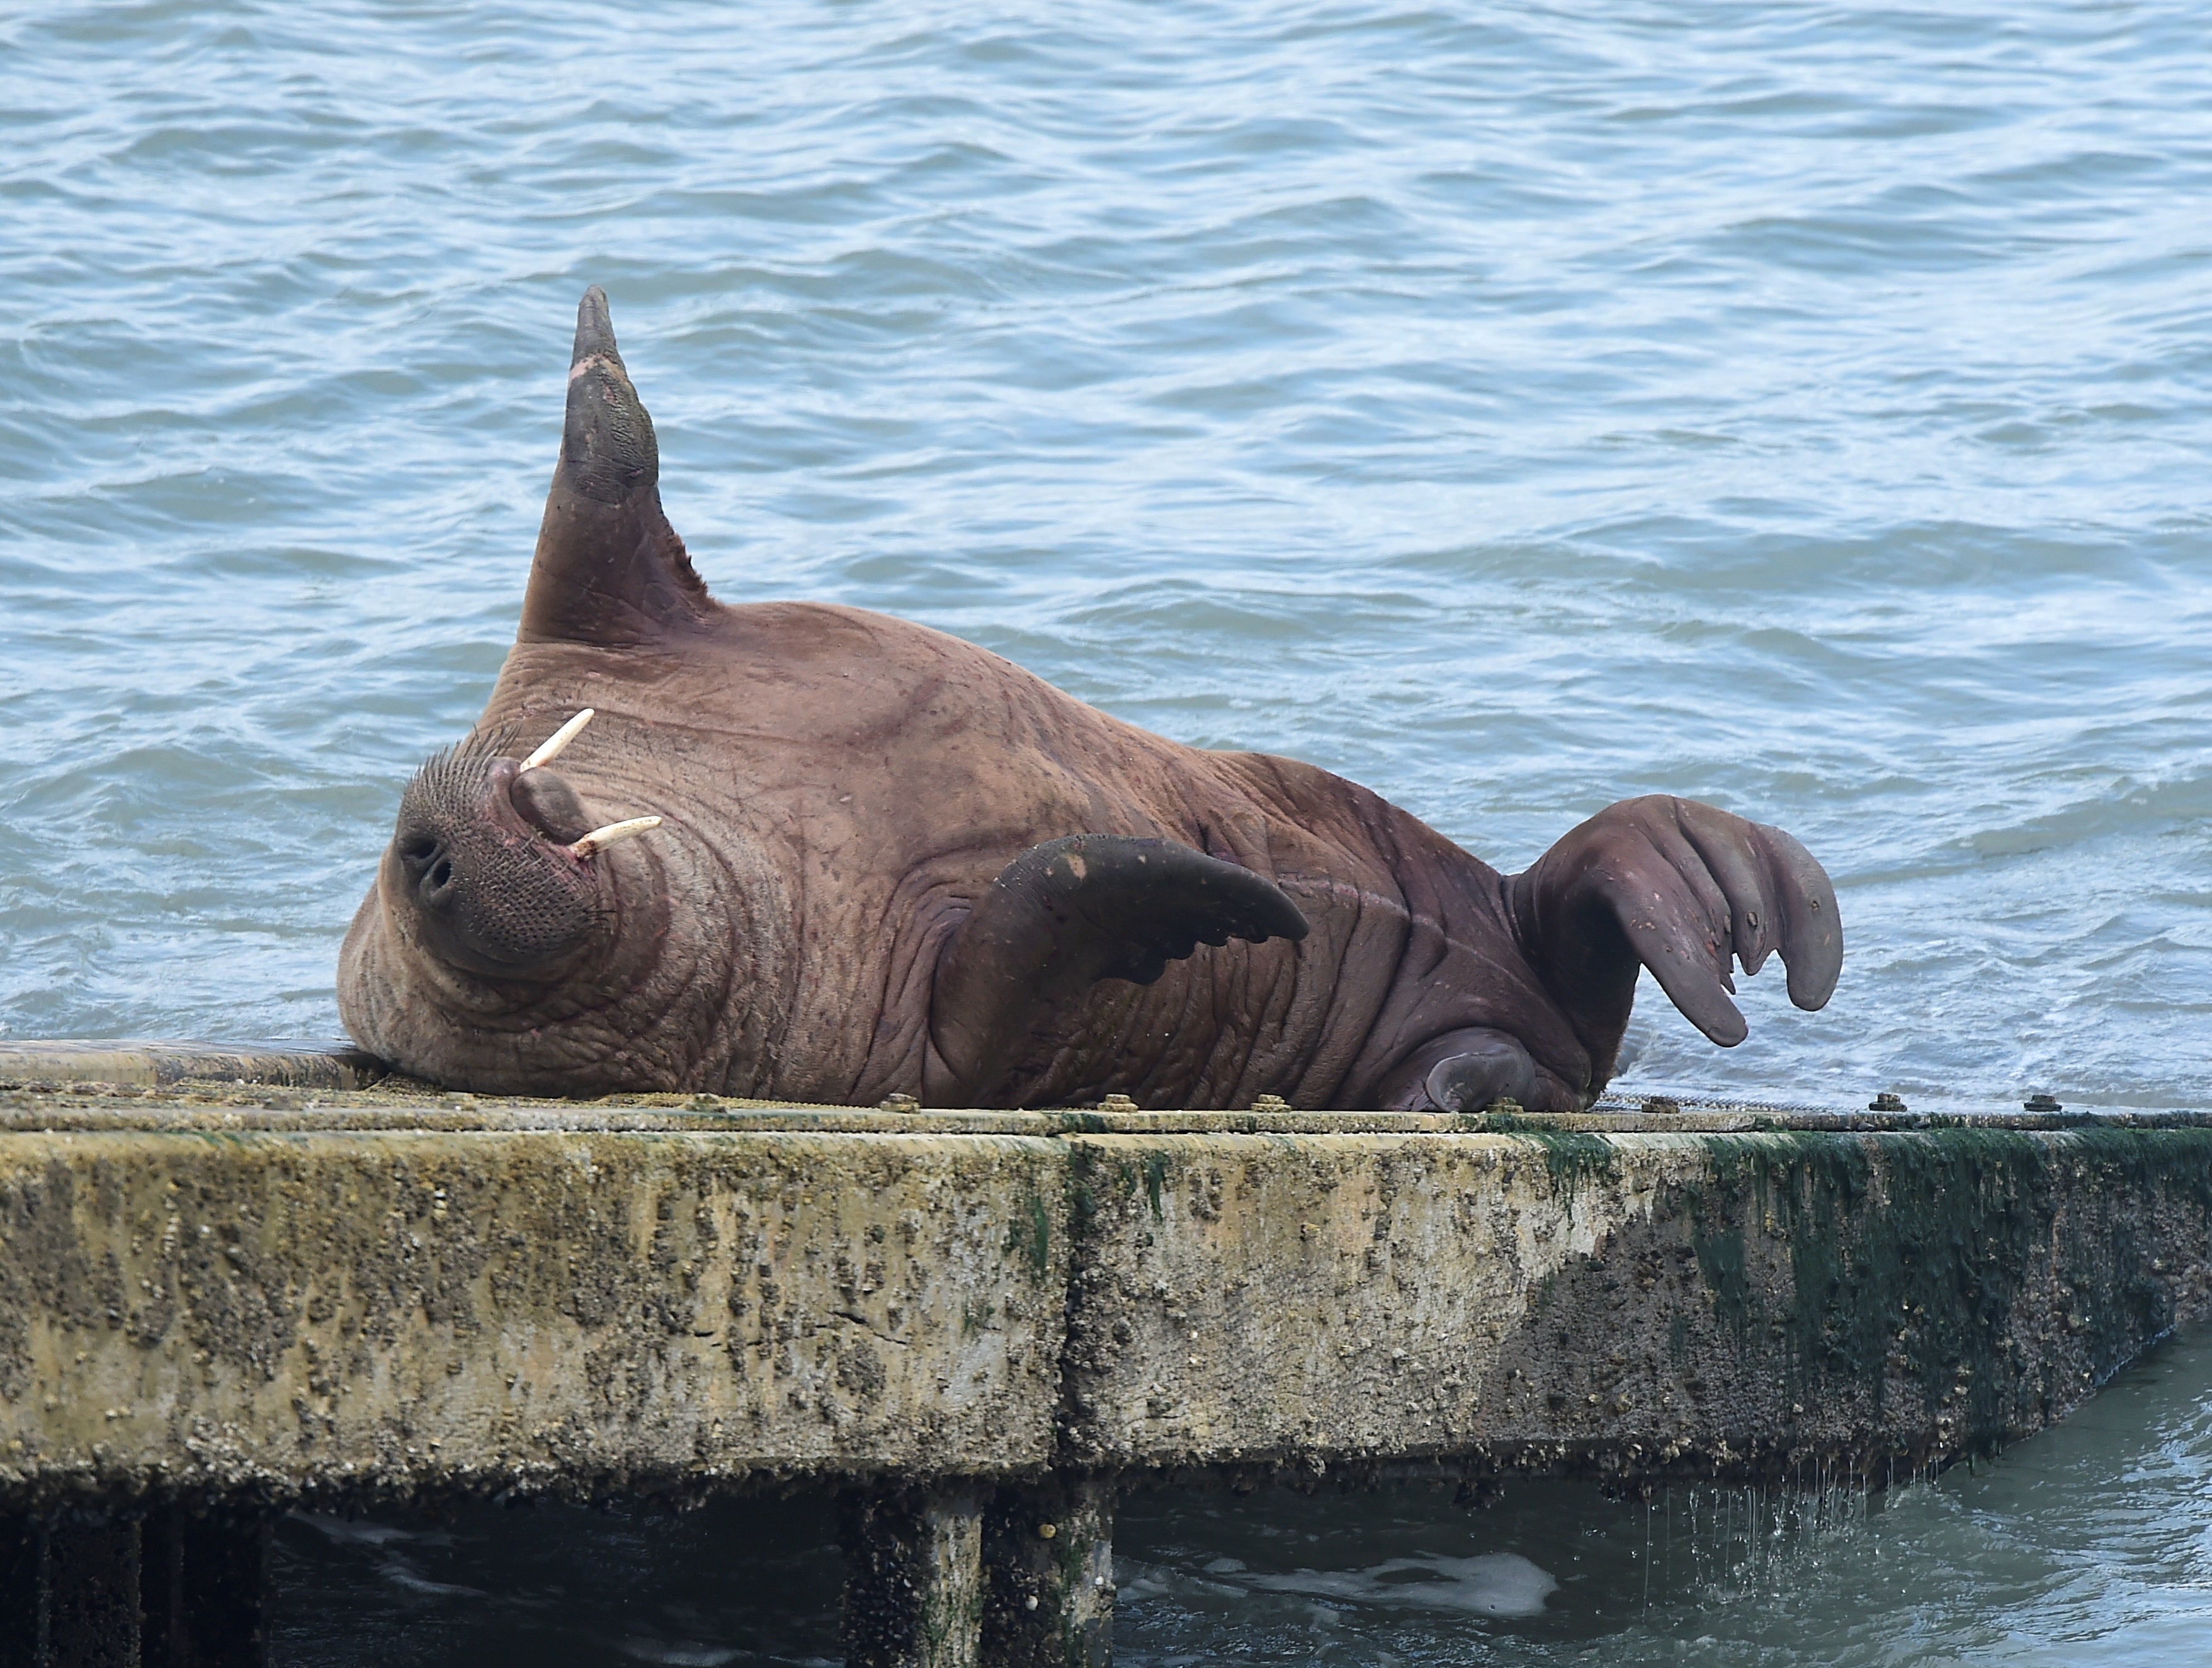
x=1513 y=408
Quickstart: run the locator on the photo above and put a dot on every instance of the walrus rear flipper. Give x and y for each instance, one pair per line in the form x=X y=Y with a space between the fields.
x=609 y=569
x=1066 y=914
x=1678 y=887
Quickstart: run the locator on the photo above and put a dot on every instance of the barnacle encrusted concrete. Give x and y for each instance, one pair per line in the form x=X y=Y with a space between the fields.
x=286 y=1314
x=1633 y=1305
x=243 y=1293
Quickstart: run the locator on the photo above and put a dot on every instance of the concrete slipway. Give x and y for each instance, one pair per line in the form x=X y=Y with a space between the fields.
x=230 y=1281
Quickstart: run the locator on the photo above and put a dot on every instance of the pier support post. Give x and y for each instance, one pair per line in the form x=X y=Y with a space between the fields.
x=1048 y=1566
x=172 y=1591
x=914 y=1583
x=91 y=1590
x=22 y=1593
x=204 y=1582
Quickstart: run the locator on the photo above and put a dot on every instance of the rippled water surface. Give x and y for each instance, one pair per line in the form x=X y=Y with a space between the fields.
x=1511 y=407
x=1802 y=407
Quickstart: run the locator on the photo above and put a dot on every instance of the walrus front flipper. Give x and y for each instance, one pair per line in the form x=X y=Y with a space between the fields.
x=1676 y=886
x=609 y=569
x=1068 y=913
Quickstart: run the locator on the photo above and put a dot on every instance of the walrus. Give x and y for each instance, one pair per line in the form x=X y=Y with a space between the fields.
x=807 y=853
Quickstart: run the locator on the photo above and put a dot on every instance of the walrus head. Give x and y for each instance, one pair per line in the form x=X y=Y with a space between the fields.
x=493 y=857
x=504 y=945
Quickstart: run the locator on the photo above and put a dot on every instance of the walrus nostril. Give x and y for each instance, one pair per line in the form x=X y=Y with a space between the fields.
x=441 y=874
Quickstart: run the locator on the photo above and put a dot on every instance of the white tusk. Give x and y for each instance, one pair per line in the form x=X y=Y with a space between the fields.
x=599 y=838
x=549 y=749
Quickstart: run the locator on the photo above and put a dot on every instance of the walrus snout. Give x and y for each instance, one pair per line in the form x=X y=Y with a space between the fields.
x=484 y=857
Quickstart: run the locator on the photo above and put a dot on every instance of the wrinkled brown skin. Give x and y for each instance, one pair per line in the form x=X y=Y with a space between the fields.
x=839 y=788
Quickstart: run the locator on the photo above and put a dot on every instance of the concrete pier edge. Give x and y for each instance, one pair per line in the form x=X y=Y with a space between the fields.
x=295 y=1279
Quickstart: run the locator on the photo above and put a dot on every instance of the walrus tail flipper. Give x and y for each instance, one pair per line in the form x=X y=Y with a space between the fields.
x=1068 y=913
x=609 y=569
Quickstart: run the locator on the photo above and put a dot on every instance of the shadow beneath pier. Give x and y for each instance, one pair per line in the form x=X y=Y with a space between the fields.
x=2090 y=1543
x=738 y=1582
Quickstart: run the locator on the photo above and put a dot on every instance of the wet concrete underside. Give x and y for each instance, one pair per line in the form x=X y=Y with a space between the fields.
x=234 y=1295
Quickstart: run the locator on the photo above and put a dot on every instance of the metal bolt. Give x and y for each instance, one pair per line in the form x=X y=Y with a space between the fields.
x=2040 y=1102
x=1270 y=1103
x=1886 y=1102
x=898 y=1103
x=1658 y=1105
x=1117 y=1103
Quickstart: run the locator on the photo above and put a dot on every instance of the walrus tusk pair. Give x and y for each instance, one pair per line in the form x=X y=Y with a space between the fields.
x=599 y=838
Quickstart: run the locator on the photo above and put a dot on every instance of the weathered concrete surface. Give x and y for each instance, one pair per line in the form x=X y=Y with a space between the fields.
x=278 y=1294
x=1049 y=1552
x=280 y=1314
x=151 y=1065
x=1634 y=1304
x=91 y=1579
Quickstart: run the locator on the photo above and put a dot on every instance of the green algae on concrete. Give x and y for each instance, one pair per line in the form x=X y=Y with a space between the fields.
x=1680 y=1304
x=914 y=1578
x=1986 y=1277
x=1049 y=1548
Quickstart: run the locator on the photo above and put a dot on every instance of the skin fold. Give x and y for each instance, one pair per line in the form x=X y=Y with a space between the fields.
x=890 y=861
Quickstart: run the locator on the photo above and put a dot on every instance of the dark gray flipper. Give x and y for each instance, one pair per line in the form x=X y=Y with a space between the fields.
x=1068 y=913
x=609 y=568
